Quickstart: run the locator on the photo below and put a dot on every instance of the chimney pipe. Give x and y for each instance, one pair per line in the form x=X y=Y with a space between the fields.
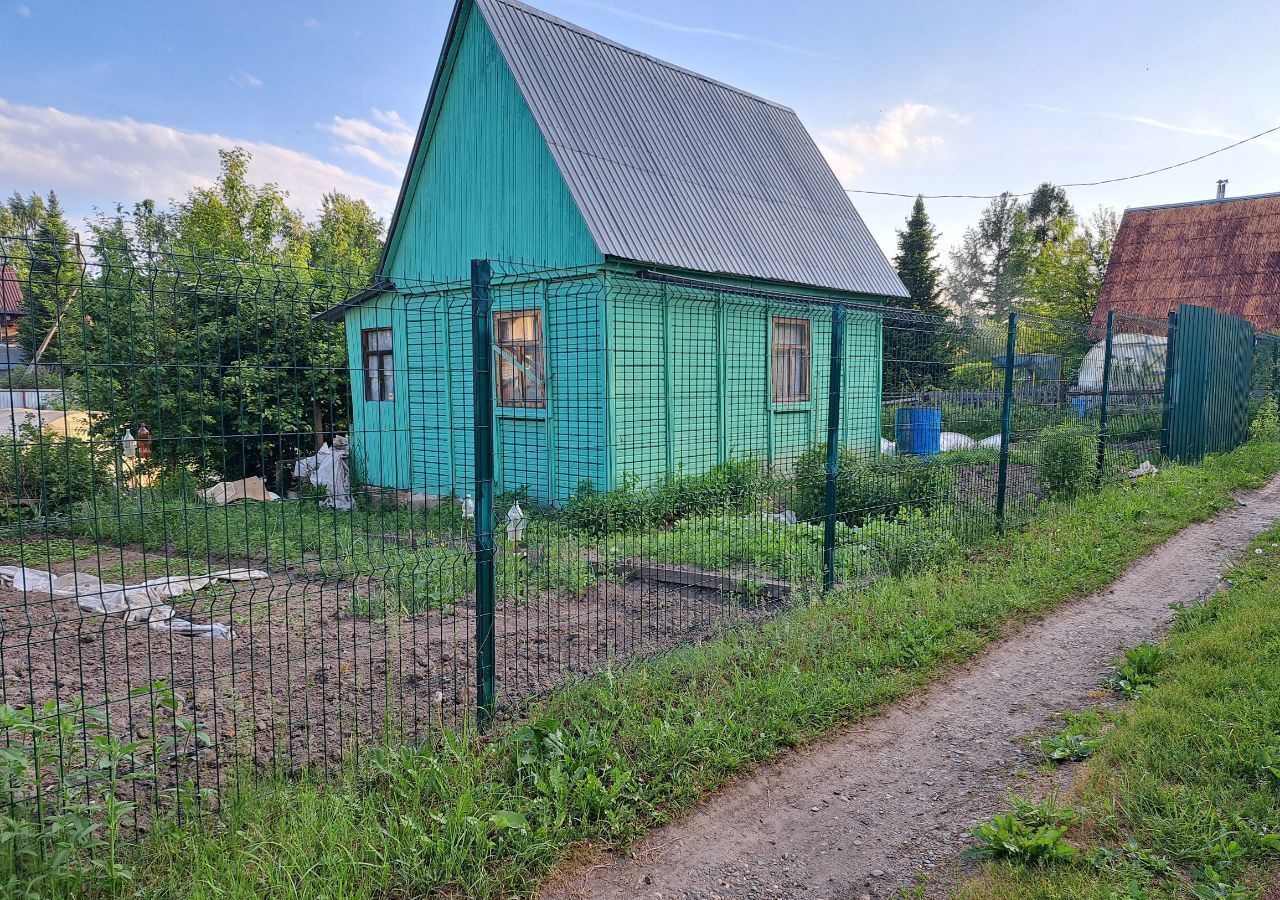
x=1222 y=188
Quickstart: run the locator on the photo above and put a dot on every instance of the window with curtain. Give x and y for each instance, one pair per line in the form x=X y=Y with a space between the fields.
x=518 y=357
x=790 y=360
x=379 y=365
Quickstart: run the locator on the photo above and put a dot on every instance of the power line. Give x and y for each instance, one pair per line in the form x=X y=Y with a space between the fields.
x=1185 y=162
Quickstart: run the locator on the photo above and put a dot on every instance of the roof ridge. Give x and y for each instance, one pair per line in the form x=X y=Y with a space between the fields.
x=587 y=33
x=1209 y=201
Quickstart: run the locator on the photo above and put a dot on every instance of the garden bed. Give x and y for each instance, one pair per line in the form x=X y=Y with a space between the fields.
x=317 y=667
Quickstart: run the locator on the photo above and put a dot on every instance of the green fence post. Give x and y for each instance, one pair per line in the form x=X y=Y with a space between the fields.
x=833 y=448
x=1166 y=418
x=1106 y=398
x=482 y=384
x=1006 y=419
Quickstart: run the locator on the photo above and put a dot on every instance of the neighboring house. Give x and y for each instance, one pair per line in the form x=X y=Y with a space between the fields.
x=1223 y=254
x=542 y=141
x=11 y=305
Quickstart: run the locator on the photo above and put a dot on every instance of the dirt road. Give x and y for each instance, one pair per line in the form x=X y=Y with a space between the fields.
x=875 y=806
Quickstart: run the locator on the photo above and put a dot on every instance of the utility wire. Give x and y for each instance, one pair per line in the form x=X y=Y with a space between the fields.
x=1185 y=162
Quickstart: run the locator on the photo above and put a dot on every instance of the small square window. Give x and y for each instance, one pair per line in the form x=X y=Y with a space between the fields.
x=379 y=365
x=518 y=358
x=790 y=360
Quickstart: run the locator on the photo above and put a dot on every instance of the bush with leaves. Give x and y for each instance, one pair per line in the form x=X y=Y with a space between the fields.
x=1067 y=459
x=733 y=486
x=53 y=470
x=64 y=782
x=868 y=489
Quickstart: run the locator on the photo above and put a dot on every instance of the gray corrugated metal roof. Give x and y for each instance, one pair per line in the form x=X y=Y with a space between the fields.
x=675 y=169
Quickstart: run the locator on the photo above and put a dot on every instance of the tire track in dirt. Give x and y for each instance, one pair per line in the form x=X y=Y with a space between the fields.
x=870 y=809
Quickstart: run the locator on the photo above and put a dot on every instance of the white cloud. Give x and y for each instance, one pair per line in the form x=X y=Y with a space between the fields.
x=23 y=10
x=384 y=140
x=907 y=131
x=312 y=23
x=244 y=79
x=120 y=160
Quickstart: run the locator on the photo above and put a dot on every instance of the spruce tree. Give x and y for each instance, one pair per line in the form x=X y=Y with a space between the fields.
x=917 y=349
x=53 y=272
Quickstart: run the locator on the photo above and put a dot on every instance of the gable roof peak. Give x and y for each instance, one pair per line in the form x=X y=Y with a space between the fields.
x=592 y=35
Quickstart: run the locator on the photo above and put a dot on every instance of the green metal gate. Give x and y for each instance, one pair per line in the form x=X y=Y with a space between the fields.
x=1208 y=383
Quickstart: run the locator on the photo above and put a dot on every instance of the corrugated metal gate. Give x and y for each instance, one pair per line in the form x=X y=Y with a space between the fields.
x=1209 y=383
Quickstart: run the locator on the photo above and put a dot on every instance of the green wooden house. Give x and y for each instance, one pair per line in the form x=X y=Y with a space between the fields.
x=690 y=239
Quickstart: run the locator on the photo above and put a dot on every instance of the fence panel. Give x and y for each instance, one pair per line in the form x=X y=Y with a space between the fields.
x=1211 y=383
x=552 y=471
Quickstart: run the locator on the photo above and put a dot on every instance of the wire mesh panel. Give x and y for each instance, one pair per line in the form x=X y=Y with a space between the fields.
x=214 y=558
x=260 y=518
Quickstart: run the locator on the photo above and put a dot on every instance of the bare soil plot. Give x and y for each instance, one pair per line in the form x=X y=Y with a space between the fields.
x=309 y=674
x=891 y=799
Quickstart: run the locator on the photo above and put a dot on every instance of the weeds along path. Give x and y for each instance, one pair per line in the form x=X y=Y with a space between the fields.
x=888 y=800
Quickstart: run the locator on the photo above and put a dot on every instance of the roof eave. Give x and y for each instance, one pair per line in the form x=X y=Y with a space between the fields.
x=338 y=312
x=650 y=266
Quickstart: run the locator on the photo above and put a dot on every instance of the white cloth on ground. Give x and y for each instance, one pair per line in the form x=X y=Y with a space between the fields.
x=133 y=603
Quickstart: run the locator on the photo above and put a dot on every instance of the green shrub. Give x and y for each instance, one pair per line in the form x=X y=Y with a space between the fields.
x=64 y=777
x=868 y=489
x=734 y=486
x=1066 y=459
x=54 y=470
x=973 y=376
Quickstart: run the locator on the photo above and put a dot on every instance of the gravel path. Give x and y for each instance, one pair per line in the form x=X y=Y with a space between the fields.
x=864 y=813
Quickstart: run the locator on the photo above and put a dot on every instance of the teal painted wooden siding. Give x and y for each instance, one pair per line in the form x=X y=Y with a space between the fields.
x=639 y=382
x=484 y=183
x=380 y=430
x=691 y=375
x=542 y=454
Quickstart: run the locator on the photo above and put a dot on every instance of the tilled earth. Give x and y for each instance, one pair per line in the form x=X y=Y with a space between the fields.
x=892 y=798
x=309 y=675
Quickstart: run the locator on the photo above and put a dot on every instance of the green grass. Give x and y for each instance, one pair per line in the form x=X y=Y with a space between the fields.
x=1183 y=798
x=631 y=748
x=420 y=560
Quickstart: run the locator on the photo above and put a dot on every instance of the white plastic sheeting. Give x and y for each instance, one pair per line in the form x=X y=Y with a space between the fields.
x=1137 y=361
x=328 y=469
x=133 y=603
x=951 y=440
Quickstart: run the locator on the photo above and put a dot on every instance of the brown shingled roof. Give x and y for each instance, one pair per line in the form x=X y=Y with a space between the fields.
x=10 y=292
x=1224 y=254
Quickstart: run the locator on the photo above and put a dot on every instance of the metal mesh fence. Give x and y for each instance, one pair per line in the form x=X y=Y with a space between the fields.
x=257 y=518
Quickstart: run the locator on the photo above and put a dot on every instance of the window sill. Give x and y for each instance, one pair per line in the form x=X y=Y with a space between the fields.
x=785 y=406
x=520 y=412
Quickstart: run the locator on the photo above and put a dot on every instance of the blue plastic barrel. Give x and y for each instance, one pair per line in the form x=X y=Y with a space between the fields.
x=1083 y=404
x=919 y=430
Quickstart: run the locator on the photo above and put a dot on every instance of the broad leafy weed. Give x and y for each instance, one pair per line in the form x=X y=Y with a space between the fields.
x=1139 y=669
x=1008 y=837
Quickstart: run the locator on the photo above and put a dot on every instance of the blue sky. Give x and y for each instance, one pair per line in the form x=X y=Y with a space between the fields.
x=110 y=102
